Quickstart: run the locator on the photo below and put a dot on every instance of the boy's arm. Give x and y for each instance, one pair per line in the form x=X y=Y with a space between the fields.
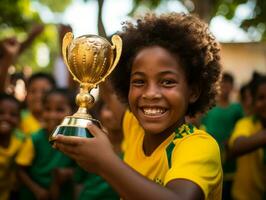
x=60 y=176
x=39 y=192
x=35 y=31
x=243 y=145
x=9 y=49
x=96 y=155
x=131 y=185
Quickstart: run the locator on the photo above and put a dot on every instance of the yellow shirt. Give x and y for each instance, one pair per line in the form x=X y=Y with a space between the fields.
x=18 y=152
x=250 y=174
x=29 y=124
x=190 y=154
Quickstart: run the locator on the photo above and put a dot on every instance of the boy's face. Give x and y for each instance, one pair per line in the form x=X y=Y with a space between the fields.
x=55 y=108
x=108 y=119
x=226 y=88
x=35 y=93
x=260 y=102
x=159 y=94
x=9 y=116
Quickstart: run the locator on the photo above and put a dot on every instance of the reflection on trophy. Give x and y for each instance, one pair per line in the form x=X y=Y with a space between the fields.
x=90 y=59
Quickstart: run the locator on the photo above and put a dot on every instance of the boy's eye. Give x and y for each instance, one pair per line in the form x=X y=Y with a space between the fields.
x=168 y=82
x=61 y=109
x=137 y=82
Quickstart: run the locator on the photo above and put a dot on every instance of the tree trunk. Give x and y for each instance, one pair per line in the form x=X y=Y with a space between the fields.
x=204 y=9
x=101 y=29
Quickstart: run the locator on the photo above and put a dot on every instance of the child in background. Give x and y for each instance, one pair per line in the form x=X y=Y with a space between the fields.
x=220 y=122
x=94 y=186
x=168 y=69
x=37 y=85
x=246 y=99
x=14 y=146
x=247 y=143
x=50 y=170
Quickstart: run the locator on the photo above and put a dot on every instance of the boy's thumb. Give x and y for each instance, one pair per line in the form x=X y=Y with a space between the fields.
x=93 y=129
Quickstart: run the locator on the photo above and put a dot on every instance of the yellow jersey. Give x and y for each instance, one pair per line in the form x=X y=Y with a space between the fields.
x=29 y=124
x=19 y=152
x=250 y=174
x=188 y=153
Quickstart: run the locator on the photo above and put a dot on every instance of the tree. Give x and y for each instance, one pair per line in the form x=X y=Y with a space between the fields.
x=207 y=9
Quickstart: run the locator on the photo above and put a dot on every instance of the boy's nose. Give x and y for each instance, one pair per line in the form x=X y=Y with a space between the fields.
x=6 y=116
x=152 y=92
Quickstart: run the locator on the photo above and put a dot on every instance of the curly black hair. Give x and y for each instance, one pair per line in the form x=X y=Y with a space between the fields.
x=183 y=35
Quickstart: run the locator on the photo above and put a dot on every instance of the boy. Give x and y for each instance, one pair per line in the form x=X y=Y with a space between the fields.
x=220 y=122
x=248 y=145
x=37 y=85
x=14 y=146
x=169 y=68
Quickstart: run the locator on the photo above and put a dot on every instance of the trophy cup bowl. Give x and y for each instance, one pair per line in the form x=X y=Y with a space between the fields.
x=90 y=59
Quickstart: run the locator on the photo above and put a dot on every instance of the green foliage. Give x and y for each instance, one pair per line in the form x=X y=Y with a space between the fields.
x=151 y=4
x=257 y=20
x=17 y=14
x=48 y=38
x=17 y=18
x=226 y=8
x=56 y=6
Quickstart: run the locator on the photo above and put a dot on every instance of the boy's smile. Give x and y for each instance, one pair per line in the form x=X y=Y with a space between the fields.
x=156 y=111
x=159 y=94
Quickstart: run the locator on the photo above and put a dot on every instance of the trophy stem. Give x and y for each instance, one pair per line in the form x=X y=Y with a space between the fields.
x=76 y=124
x=85 y=101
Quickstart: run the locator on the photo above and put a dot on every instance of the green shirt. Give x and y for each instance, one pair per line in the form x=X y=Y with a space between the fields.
x=94 y=187
x=46 y=159
x=220 y=122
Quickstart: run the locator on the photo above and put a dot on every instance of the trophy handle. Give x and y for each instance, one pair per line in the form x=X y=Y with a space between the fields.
x=68 y=38
x=117 y=45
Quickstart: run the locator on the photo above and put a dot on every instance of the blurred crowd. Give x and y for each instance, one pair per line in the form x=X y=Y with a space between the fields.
x=32 y=105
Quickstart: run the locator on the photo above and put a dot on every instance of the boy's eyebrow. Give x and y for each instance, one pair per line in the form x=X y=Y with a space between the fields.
x=137 y=73
x=160 y=73
x=168 y=72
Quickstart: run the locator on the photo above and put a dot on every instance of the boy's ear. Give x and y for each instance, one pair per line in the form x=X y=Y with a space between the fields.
x=195 y=92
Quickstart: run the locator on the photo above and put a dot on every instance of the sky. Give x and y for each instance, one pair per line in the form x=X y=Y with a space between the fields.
x=83 y=17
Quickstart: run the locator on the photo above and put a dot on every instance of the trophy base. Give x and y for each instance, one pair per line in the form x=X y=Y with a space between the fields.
x=73 y=126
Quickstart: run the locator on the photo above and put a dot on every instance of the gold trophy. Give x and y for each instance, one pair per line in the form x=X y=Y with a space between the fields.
x=90 y=59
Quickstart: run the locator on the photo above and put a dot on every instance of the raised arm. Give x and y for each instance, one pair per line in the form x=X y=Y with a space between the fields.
x=9 y=49
x=35 y=31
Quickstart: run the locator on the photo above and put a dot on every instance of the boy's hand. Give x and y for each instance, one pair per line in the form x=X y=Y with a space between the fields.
x=89 y=153
x=36 y=30
x=61 y=175
x=42 y=194
x=10 y=48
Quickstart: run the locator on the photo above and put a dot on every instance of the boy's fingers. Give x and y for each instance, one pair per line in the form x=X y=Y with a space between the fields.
x=69 y=150
x=68 y=140
x=93 y=129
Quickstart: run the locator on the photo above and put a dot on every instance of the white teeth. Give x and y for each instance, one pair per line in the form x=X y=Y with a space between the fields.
x=4 y=124
x=153 y=111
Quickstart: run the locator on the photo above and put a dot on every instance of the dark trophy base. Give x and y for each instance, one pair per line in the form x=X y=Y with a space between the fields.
x=73 y=126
